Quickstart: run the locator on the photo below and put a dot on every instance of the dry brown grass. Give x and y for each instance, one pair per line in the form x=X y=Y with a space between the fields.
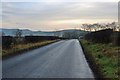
x=24 y=47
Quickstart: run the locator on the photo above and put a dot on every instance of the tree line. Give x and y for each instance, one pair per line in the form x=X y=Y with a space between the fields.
x=96 y=27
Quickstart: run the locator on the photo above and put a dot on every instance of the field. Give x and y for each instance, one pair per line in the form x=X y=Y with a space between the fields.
x=24 y=47
x=105 y=57
x=11 y=45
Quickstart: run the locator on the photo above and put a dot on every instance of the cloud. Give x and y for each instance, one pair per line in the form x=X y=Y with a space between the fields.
x=59 y=0
x=45 y=14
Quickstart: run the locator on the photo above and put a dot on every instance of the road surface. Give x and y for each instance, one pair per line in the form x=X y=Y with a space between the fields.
x=63 y=59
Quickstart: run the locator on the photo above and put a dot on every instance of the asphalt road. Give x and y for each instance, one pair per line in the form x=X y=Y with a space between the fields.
x=63 y=59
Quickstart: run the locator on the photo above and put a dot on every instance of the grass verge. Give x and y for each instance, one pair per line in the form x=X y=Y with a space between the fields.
x=17 y=49
x=103 y=58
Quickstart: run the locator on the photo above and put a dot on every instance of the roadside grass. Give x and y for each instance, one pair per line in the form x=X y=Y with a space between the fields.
x=106 y=56
x=24 y=47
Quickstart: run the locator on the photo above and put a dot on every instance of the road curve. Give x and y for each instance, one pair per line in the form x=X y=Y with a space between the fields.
x=63 y=59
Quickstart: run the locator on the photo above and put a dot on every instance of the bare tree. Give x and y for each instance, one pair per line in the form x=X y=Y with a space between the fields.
x=90 y=27
x=96 y=27
x=114 y=25
x=18 y=37
x=118 y=27
x=85 y=27
x=18 y=33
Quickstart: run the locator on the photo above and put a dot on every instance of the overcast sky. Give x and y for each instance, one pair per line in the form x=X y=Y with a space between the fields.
x=56 y=15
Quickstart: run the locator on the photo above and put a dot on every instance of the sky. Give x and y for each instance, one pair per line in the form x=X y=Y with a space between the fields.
x=51 y=15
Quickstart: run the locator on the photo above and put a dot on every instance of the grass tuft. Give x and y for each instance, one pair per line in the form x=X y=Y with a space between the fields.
x=106 y=56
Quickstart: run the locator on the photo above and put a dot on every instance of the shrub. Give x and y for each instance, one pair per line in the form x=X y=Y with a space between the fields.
x=32 y=39
x=115 y=38
x=102 y=36
x=6 y=41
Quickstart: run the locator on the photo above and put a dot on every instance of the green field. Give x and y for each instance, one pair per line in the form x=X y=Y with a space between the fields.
x=105 y=55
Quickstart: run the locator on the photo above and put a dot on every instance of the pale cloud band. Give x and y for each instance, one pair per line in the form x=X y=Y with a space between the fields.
x=60 y=0
x=56 y=15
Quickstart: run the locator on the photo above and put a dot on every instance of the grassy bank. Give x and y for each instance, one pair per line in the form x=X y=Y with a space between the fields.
x=105 y=57
x=16 y=49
